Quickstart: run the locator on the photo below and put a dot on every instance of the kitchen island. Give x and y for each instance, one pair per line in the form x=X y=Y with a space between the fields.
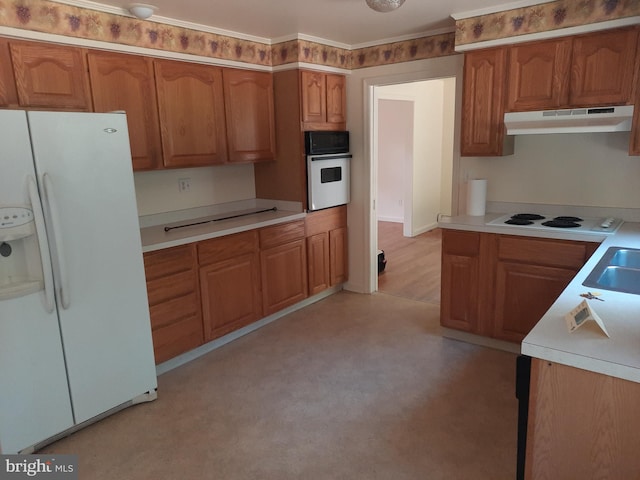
x=585 y=386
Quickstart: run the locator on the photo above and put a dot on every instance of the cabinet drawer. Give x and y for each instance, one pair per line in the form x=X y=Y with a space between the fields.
x=172 y=311
x=466 y=244
x=169 y=261
x=554 y=253
x=223 y=248
x=176 y=338
x=165 y=288
x=279 y=234
x=325 y=220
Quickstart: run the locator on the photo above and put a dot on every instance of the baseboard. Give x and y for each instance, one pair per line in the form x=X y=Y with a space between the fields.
x=382 y=218
x=219 y=342
x=480 y=340
x=425 y=229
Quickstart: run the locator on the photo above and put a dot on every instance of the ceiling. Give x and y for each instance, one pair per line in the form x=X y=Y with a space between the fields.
x=348 y=22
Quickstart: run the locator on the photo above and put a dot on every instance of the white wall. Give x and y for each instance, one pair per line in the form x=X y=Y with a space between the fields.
x=571 y=169
x=395 y=154
x=157 y=191
x=362 y=276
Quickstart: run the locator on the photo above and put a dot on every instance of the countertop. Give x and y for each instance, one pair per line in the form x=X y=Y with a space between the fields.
x=154 y=237
x=586 y=348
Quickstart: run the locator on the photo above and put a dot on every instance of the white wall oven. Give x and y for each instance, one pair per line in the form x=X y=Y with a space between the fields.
x=328 y=160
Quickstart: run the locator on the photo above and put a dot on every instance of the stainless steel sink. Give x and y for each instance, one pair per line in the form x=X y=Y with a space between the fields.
x=618 y=270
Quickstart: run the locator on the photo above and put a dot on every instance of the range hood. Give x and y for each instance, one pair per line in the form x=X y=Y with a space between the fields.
x=577 y=120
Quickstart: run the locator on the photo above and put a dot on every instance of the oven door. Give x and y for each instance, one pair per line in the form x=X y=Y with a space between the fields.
x=328 y=180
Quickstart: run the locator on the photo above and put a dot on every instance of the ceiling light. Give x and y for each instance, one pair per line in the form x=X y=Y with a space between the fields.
x=142 y=10
x=384 y=5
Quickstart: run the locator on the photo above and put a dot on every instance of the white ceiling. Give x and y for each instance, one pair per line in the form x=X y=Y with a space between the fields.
x=348 y=22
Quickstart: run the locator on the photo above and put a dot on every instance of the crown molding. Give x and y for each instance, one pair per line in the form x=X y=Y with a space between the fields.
x=549 y=34
x=498 y=8
x=165 y=20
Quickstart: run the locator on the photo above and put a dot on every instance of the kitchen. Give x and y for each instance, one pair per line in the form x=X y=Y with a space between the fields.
x=506 y=175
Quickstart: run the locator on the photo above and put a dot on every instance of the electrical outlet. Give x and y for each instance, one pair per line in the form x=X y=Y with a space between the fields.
x=184 y=184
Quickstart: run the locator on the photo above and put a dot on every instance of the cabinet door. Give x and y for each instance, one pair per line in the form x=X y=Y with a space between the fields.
x=192 y=120
x=483 y=103
x=338 y=255
x=336 y=99
x=174 y=301
x=230 y=294
x=248 y=97
x=460 y=280
x=314 y=97
x=318 y=262
x=603 y=68
x=51 y=76
x=125 y=82
x=8 y=93
x=523 y=294
x=538 y=75
x=284 y=275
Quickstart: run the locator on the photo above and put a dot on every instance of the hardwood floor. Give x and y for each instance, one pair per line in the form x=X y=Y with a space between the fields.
x=413 y=263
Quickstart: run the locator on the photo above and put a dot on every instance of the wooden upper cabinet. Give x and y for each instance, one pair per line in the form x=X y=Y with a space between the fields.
x=8 y=93
x=323 y=101
x=483 y=132
x=125 y=82
x=602 y=68
x=336 y=99
x=314 y=94
x=250 y=115
x=192 y=118
x=538 y=75
x=51 y=76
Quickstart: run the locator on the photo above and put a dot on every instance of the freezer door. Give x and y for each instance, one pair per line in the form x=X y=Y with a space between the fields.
x=34 y=394
x=83 y=164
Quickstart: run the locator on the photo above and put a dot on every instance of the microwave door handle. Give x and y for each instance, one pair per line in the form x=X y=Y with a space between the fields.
x=43 y=244
x=63 y=278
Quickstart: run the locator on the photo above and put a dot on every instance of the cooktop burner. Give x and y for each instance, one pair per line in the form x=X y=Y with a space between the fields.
x=569 y=219
x=527 y=216
x=519 y=221
x=555 y=223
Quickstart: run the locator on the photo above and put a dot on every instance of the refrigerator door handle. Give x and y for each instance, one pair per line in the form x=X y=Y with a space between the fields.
x=43 y=244
x=63 y=279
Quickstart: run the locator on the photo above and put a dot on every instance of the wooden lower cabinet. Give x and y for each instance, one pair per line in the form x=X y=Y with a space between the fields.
x=581 y=425
x=501 y=285
x=327 y=248
x=283 y=264
x=174 y=301
x=229 y=283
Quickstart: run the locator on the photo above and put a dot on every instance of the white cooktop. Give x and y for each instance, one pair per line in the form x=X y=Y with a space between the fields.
x=586 y=225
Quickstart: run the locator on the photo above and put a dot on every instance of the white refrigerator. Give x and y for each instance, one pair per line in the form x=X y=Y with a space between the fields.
x=75 y=334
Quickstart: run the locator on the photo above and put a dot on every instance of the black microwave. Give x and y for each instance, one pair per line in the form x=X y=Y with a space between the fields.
x=323 y=142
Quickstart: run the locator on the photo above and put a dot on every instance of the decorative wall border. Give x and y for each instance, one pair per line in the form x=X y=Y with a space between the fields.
x=49 y=16
x=546 y=17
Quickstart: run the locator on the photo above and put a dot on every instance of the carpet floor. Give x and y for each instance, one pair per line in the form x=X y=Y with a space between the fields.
x=351 y=387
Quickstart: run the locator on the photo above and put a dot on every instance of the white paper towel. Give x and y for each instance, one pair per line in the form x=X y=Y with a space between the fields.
x=476 y=197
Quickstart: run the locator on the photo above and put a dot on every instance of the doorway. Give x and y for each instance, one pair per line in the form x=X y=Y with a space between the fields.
x=412 y=153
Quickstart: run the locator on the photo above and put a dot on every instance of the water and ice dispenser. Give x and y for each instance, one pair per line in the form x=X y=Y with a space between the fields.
x=20 y=264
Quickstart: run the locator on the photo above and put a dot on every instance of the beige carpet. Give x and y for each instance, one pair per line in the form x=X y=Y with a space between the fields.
x=352 y=387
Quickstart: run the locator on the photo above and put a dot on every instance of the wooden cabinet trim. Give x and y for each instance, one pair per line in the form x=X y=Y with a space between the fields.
x=281 y=233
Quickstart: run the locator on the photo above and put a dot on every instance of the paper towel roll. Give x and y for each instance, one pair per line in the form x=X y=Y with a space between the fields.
x=476 y=196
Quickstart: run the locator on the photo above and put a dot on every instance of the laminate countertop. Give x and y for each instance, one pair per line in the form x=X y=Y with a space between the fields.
x=587 y=347
x=214 y=224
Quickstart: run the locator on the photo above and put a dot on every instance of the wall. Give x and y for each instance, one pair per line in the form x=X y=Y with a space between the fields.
x=157 y=192
x=424 y=179
x=395 y=152
x=362 y=277
x=572 y=169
